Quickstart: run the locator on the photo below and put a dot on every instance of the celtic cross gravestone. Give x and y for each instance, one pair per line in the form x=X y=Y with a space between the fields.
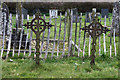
x=94 y=29
x=38 y=25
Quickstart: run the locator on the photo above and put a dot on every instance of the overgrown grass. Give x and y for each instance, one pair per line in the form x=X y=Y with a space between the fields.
x=72 y=67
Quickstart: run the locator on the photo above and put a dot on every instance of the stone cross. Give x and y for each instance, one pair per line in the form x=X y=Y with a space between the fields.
x=38 y=25
x=95 y=29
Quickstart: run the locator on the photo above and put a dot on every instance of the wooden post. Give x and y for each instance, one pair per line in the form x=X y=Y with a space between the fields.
x=26 y=37
x=64 y=34
x=4 y=24
x=84 y=39
x=21 y=36
x=30 y=46
x=9 y=43
x=48 y=37
x=59 y=36
x=100 y=41
x=104 y=36
x=42 y=40
x=68 y=24
x=110 y=39
x=55 y=29
x=1 y=23
x=114 y=41
x=119 y=37
x=89 y=39
x=70 y=38
x=79 y=34
x=75 y=32
x=89 y=45
x=14 y=44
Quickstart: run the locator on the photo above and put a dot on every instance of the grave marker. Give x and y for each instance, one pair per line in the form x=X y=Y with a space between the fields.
x=87 y=17
x=104 y=12
x=53 y=13
x=38 y=25
x=75 y=13
x=24 y=12
x=95 y=29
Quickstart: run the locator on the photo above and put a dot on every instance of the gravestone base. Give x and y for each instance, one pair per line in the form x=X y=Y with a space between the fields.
x=23 y=42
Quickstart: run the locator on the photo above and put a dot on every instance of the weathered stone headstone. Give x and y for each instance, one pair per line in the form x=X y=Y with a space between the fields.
x=53 y=13
x=87 y=17
x=75 y=13
x=18 y=39
x=35 y=10
x=24 y=12
x=104 y=12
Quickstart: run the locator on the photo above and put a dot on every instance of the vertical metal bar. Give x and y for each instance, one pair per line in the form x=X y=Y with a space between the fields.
x=55 y=28
x=42 y=40
x=26 y=36
x=84 y=39
x=4 y=24
x=79 y=34
x=21 y=36
x=70 y=39
x=64 y=34
x=59 y=36
x=104 y=36
x=9 y=43
x=47 y=44
x=75 y=33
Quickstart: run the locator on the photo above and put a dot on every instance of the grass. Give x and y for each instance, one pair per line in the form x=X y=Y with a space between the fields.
x=72 y=67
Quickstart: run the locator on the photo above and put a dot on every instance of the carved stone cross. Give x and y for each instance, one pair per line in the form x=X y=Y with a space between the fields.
x=38 y=25
x=95 y=29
